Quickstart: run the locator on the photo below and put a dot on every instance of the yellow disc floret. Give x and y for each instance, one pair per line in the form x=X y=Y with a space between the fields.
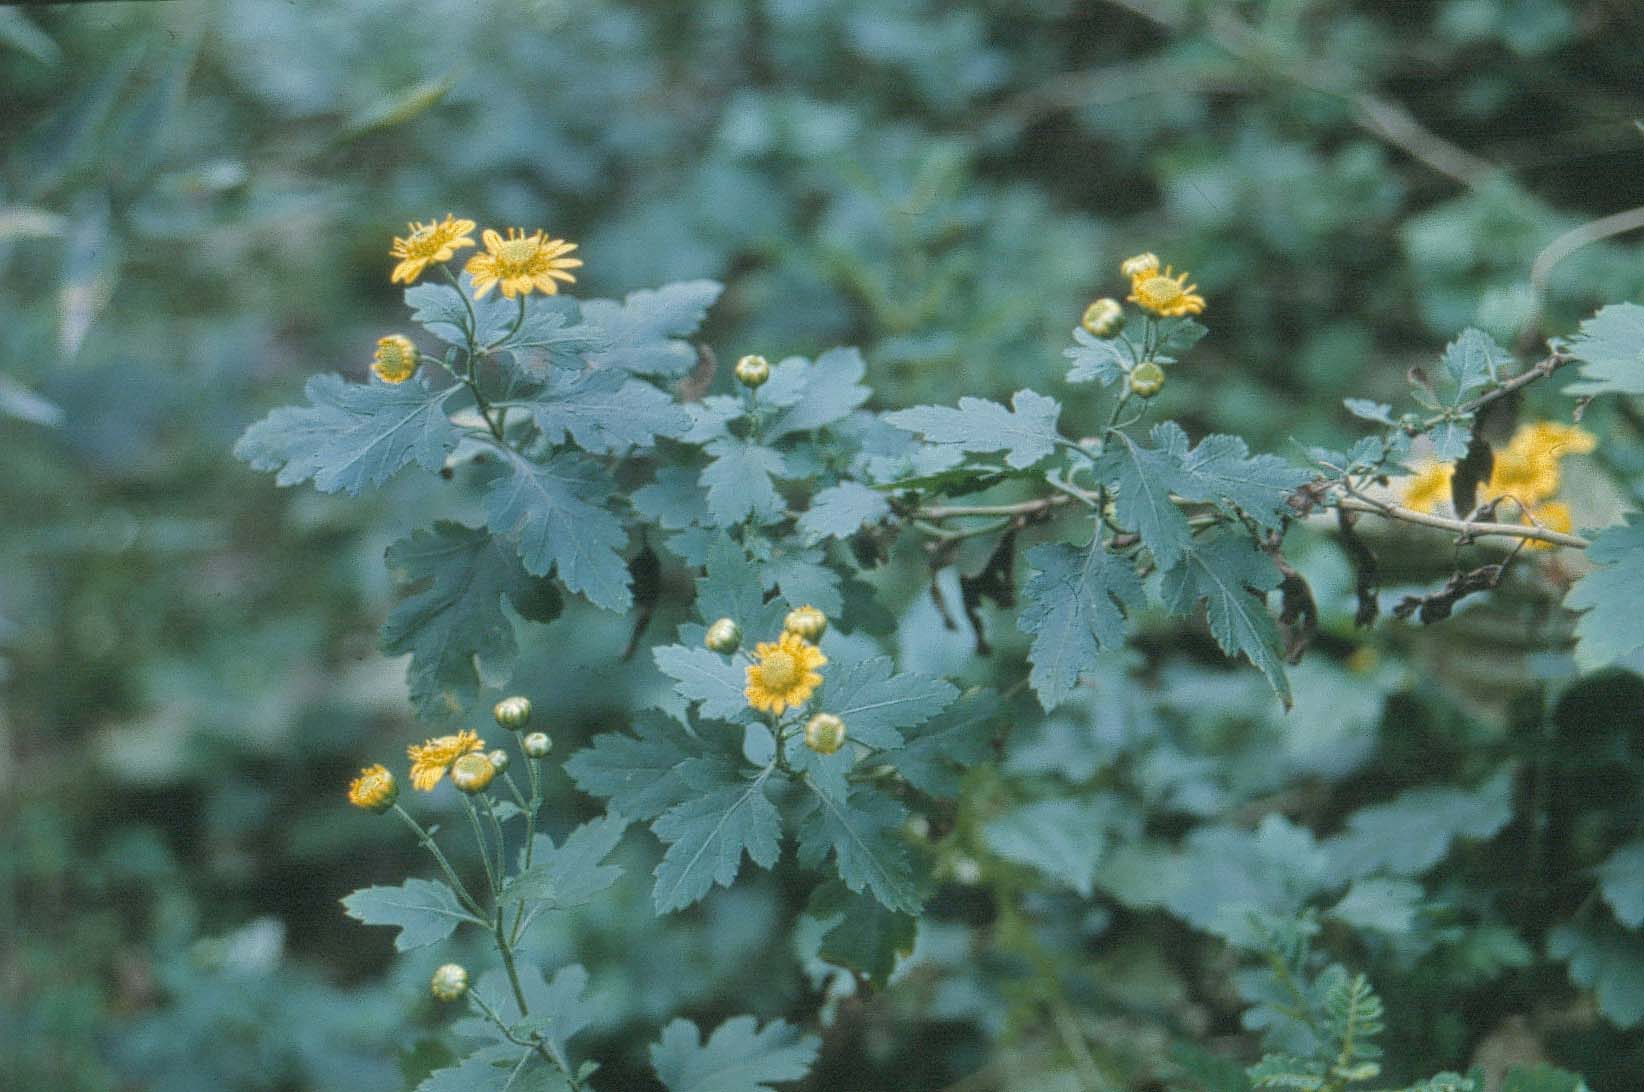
x=435 y=241
x=374 y=790
x=395 y=360
x=784 y=673
x=1166 y=294
x=430 y=760
x=522 y=264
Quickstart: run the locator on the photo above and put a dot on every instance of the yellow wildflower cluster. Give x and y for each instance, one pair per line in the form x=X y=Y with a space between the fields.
x=1526 y=472
x=520 y=264
x=783 y=674
x=1165 y=294
x=430 y=760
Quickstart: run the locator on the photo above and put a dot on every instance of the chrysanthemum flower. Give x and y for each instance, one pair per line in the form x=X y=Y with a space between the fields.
x=395 y=360
x=1165 y=294
x=784 y=674
x=1527 y=469
x=435 y=241
x=374 y=790
x=1525 y=473
x=1141 y=265
x=430 y=760
x=521 y=263
x=1429 y=486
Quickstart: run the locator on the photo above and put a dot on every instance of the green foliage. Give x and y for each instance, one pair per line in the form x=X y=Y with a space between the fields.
x=426 y=911
x=740 y=1056
x=979 y=886
x=1075 y=608
x=1610 y=627
x=1026 y=432
x=454 y=626
x=1608 y=346
x=352 y=437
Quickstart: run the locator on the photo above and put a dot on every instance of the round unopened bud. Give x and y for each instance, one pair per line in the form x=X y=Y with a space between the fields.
x=724 y=636
x=752 y=370
x=537 y=745
x=1139 y=266
x=395 y=360
x=513 y=713
x=1147 y=379
x=824 y=733
x=449 y=983
x=375 y=790
x=1104 y=318
x=472 y=772
x=498 y=760
x=807 y=622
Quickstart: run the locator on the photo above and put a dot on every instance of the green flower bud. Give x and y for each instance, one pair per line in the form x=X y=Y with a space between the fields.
x=1147 y=379
x=1104 y=318
x=807 y=622
x=537 y=745
x=450 y=982
x=472 y=772
x=724 y=636
x=498 y=760
x=752 y=371
x=513 y=713
x=825 y=733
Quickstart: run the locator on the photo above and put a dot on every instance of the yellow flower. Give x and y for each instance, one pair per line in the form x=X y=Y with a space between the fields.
x=1139 y=266
x=1527 y=469
x=374 y=790
x=395 y=360
x=434 y=241
x=430 y=760
x=785 y=675
x=521 y=263
x=1429 y=486
x=1165 y=295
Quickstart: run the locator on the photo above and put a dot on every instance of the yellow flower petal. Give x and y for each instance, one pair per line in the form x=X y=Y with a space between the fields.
x=521 y=264
x=1166 y=294
x=435 y=241
x=430 y=760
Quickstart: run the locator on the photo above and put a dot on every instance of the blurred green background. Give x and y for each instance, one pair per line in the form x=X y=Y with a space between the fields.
x=196 y=201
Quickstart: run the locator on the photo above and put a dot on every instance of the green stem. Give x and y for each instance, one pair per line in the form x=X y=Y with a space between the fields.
x=513 y=787
x=496 y=830
x=428 y=843
x=479 y=838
